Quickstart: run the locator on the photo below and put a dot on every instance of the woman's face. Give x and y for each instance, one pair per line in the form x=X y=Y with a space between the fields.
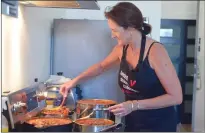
x=119 y=33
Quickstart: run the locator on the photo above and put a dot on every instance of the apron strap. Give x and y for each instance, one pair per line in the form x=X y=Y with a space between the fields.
x=142 y=49
x=124 y=51
x=151 y=47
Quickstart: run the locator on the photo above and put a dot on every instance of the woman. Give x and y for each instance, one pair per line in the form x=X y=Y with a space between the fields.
x=146 y=76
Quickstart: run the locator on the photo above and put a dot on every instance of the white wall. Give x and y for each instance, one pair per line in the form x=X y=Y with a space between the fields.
x=0 y=55
x=179 y=9
x=39 y=20
x=26 y=40
x=21 y=61
x=42 y=18
x=198 y=109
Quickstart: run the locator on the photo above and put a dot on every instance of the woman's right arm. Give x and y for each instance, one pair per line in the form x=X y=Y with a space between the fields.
x=93 y=71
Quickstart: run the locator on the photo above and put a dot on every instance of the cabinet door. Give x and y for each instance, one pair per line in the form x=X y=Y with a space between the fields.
x=10 y=8
x=172 y=34
x=175 y=35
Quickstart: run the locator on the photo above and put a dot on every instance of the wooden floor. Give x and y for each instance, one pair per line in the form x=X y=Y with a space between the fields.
x=184 y=128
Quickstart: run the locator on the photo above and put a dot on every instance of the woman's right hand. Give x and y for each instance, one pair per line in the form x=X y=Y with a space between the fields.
x=66 y=87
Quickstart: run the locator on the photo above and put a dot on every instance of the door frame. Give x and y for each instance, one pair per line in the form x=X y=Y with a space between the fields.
x=198 y=125
x=186 y=118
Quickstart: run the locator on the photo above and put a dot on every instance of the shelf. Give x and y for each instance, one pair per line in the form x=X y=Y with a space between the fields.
x=189 y=78
x=190 y=60
x=191 y=42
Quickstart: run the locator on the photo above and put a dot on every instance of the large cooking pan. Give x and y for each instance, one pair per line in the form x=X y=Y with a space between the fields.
x=76 y=126
x=53 y=128
x=95 y=125
x=57 y=112
x=95 y=108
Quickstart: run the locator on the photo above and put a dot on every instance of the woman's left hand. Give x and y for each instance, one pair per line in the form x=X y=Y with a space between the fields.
x=122 y=109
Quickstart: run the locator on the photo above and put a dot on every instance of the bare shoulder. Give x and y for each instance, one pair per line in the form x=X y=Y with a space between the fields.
x=118 y=50
x=158 y=49
x=118 y=47
x=158 y=54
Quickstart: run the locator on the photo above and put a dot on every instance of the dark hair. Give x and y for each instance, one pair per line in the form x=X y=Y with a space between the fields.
x=126 y=14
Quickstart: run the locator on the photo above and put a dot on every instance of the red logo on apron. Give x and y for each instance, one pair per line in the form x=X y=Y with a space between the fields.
x=132 y=83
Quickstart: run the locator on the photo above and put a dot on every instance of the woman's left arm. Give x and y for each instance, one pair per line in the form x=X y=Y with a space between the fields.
x=161 y=63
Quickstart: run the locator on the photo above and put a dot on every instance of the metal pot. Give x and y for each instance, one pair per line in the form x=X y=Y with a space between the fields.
x=84 y=127
x=54 y=95
x=94 y=109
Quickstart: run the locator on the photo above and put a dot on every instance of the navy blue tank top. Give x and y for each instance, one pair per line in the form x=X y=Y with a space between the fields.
x=143 y=83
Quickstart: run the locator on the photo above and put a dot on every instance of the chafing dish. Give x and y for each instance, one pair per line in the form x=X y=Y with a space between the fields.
x=36 y=123
x=29 y=102
x=26 y=104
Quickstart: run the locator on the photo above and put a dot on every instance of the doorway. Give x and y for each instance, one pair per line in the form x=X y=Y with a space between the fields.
x=178 y=37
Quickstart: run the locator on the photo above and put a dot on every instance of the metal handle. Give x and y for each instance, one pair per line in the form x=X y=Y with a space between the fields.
x=113 y=127
x=84 y=111
x=88 y=116
x=100 y=109
x=95 y=109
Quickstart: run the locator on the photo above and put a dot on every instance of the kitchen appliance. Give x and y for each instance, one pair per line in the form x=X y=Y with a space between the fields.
x=52 y=94
x=54 y=98
x=27 y=103
x=24 y=104
x=21 y=105
x=74 y=4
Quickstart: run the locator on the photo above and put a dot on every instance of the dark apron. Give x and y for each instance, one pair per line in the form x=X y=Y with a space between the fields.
x=143 y=83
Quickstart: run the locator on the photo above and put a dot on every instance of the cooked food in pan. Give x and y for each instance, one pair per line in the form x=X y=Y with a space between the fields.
x=56 y=111
x=97 y=101
x=47 y=122
x=94 y=122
